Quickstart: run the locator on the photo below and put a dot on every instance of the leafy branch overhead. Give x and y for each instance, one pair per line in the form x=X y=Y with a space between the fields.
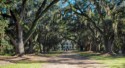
x=41 y=26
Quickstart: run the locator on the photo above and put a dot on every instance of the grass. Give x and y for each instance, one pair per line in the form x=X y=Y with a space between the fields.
x=22 y=65
x=51 y=54
x=111 y=61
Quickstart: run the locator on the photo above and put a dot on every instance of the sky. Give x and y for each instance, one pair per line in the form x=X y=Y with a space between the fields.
x=63 y=5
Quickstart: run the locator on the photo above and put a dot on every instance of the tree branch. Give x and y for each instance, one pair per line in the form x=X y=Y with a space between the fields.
x=23 y=9
x=40 y=8
x=33 y=27
x=88 y=18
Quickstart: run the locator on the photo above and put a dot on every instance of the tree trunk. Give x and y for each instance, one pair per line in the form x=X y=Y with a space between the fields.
x=123 y=46
x=123 y=49
x=90 y=46
x=20 y=43
x=21 y=48
x=108 y=45
x=30 y=50
x=44 y=49
x=62 y=47
x=95 y=46
x=81 y=48
x=40 y=46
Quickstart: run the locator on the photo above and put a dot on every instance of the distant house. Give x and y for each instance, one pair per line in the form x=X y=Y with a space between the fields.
x=67 y=45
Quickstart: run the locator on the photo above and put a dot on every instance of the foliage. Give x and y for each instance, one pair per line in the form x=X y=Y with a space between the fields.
x=35 y=25
x=5 y=46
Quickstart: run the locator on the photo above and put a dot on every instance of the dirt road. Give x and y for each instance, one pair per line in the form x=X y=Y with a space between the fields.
x=64 y=60
x=72 y=60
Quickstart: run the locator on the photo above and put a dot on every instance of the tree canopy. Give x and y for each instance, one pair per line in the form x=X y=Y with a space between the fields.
x=30 y=26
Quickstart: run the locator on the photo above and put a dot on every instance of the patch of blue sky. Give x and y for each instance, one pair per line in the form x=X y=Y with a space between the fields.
x=64 y=4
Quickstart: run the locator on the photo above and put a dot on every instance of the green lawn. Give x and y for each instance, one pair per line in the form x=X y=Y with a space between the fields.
x=111 y=61
x=22 y=65
x=51 y=54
